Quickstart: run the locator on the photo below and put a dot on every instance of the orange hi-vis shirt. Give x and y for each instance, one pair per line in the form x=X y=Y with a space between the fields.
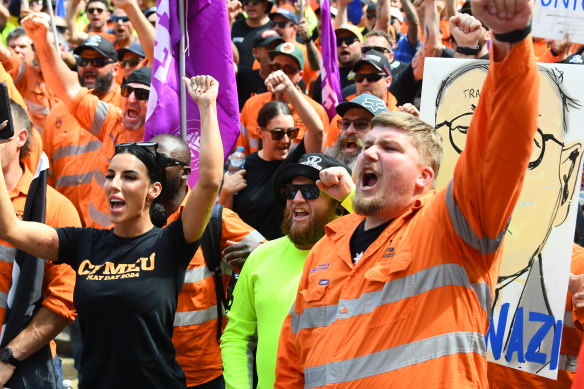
x=104 y=121
x=195 y=321
x=59 y=280
x=73 y=153
x=333 y=131
x=30 y=83
x=414 y=311
x=249 y=138
x=502 y=377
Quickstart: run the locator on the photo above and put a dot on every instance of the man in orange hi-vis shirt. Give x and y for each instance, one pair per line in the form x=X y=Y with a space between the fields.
x=397 y=295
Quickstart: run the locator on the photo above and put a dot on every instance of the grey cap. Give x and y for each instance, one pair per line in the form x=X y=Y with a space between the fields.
x=365 y=101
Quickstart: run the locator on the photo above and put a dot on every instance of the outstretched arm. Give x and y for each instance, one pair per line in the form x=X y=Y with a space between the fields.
x=197 y=211
x=278 y=82
x=143 y=27
x=62 y=81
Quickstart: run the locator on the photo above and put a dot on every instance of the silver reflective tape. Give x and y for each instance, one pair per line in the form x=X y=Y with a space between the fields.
x=568 y=321
x=197 y=274
x=253 y=236
x=36 y=108
x=73 y=180
x=395 y=358
x=568 y=362
x=103 y=219
x=73 y=150
x=7 y=254
x=401 y=288
x=98 y=118
x=464 y=230
x=192 y=318
x=3 y=299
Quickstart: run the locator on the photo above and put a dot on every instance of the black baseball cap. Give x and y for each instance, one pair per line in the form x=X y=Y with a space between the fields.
x=141 y=75
x=375 y=58
x=100 y=44
x=266 y=37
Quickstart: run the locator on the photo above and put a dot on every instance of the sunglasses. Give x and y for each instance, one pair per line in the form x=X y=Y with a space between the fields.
x=94 y=10
x=140 y=93
x=370 y=16
x=289 y=70
x=132 y=62
x=252 y=2
x=116 y=19
x=309 y=191
x=148 y=146
x=95 y=62
x=278 y=133
x=370 y=77
x=366 y=49
x=282 y=24
x=359 y=125
x=170 y=162
x=62 y=29
x=348 y=40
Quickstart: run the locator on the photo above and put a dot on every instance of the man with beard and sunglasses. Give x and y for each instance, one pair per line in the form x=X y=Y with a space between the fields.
x=268 y=282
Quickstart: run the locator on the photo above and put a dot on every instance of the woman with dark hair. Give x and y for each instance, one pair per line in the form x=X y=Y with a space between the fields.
x=129 y=277
x=249 y=192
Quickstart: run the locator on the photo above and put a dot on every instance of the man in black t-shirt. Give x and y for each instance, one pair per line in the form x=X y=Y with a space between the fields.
x=244 y=29
x=250 y=81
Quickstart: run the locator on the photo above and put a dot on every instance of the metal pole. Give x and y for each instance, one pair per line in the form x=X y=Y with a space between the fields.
x=181 y=65
x=53 y=27
x=301 y=10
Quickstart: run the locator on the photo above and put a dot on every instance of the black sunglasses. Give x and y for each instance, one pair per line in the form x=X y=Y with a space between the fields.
x=282 y=24
x=370 y=77
x=93 y=9
x=348 y=40
x=289 y=70
x=278 y=133
x=95 y=62
x=252 y=2
x=359 y=125
x=116 y=19
x=170 y=162
x=148 y=146
x=366 y=49
x=309 y=191
x=132 y=62
x=140 y=93
x=370 y=16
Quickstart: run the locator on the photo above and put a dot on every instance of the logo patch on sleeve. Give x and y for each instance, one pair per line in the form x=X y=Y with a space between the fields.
x=323 y=282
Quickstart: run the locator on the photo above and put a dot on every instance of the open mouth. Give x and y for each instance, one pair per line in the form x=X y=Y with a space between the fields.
x=116 y=205
x=300 y=214
x=132 y=113
x=368 y=180
x=351 y=147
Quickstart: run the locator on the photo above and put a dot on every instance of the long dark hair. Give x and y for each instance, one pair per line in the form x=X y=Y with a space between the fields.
x=156 y=172
x=270 y=111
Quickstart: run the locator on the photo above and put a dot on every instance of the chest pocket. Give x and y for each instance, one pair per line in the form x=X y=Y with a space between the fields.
x=394 y=297
x=314 y=316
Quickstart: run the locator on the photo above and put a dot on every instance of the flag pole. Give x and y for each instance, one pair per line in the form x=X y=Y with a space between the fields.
x=181 y=66
x=301 y=9
x=53 y=26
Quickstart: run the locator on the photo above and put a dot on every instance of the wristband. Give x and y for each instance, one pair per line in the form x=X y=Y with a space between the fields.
x=554 y=52
x=515 y=35
x=468 y=50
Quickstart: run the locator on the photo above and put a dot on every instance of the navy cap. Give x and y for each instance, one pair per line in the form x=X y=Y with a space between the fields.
x=285 y=13
x=134 y=48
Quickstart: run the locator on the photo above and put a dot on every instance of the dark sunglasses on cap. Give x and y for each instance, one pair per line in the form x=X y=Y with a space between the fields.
x=366 y=49
x=309 y=191
x=278 y=133
x=95 y=9
x=148 y=146
x=170 y=162
x=370 y=77
x=116 y=19
x=95 y=62
x=289 y=70
x=348 y=40
x=140 y=93
x=282 y=24
x=132 y=62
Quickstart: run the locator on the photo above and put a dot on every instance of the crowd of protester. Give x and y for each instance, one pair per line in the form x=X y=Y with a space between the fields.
x=168 y=286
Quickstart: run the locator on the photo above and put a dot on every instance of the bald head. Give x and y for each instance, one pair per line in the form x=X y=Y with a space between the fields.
x=173 y=147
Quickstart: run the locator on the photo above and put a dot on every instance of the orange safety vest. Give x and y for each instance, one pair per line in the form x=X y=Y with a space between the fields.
x=414 y=310
x=195 y=321
x=249 y=138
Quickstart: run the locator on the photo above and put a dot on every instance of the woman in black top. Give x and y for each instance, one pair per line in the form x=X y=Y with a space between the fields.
x=249 y=192
x=129 y=277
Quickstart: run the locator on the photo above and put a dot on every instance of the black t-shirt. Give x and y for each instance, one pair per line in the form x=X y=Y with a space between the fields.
x=317 y=87
x=243 y=35
x=256 y=205
x=126 y=293
x=362 y=239
x=249 y=83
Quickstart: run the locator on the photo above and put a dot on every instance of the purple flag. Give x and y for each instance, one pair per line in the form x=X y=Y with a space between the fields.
x=208 y=51
x=329 y=73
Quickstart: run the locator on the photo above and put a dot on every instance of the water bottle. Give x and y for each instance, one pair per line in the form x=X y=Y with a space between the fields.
x=236 y=161
x=67 y=384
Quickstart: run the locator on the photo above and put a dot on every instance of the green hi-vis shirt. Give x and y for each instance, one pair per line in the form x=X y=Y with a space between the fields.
x=263 y=296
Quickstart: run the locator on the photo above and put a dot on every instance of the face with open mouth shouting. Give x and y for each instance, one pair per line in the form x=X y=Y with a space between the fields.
x=94 y=77
x=134 y=106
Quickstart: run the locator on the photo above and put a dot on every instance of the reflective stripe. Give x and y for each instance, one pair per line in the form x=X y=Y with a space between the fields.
x=484 y=294
x=395 y=358
x=197 y=274
x=399 y=289
x=98 y=118
x=243 y=130
x=7 y=254
x=253 y=236
x=3 y=299
x=73 y=150
x=99 y=217
x=464 y=230
x=73 y=180
x=195 y=317
x=568 y=322
x=255 y=143
x=99 y=177
x=250 y=353
x=36 y=108
x=39 y=129
x=568 y=362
